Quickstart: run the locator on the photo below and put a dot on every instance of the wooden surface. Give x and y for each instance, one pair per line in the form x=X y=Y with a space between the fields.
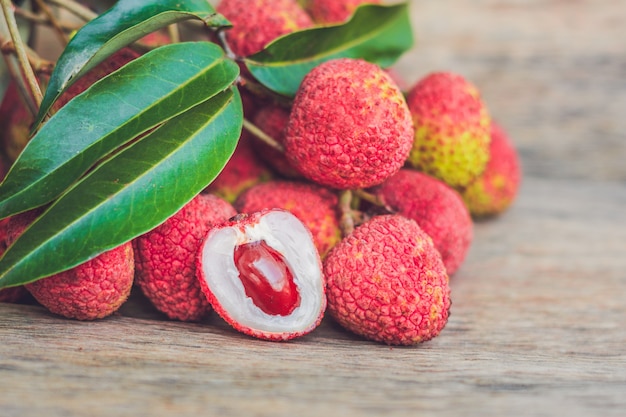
x=539 y=307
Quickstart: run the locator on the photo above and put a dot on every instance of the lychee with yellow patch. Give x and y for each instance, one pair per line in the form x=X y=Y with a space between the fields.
x=451 y=128
x=495 y=190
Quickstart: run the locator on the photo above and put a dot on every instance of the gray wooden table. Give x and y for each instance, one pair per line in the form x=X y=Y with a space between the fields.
x=539 y=307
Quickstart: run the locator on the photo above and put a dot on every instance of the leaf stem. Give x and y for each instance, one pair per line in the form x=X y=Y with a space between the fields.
x=22 y=56
x=373 y=199
x=253 y=129
x=43 y=20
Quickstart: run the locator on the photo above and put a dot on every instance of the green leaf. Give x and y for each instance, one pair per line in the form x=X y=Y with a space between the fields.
x=124 y=23
x=379 y=34
x=148 y=91
x=129 y=194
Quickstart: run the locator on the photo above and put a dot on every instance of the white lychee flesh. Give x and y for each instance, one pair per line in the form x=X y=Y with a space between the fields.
x=222 y=281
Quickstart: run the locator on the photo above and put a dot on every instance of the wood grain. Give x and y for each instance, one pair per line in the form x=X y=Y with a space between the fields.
x=539 y=307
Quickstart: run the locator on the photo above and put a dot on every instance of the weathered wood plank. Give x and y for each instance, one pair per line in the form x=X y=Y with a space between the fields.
x=537 y=324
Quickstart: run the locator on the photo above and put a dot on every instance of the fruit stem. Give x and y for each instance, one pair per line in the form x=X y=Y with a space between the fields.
x=221 y=36
x=53 y=21
x=346 y=223
x=253 y=129
x=373 y=199
x=22 y=58
x=76 y=9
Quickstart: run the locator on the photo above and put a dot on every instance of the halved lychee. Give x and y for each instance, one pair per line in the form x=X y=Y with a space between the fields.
x=262 y=274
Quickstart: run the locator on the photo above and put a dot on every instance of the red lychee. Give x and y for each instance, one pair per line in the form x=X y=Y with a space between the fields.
x=334 y=11
x=262 y=274
x=314 y=205
x=258 y=22
x=350 y=126
x=272 y=120
x=92 y=290
x=494 y=191
x=451 y=128
x=165 y=258
x=387 y=282
x=242 y=171
x=438 y=210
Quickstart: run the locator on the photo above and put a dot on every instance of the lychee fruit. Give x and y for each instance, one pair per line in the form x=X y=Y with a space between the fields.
x=451 y=128
x=243 y=170
x=13 y=294
x=437 y=208
x=386 y=282
x=494 y=191
x=314 y=205
x=258 y=22
x=263 y=275
x=15 y=122
x=92 y=290
x=334 y=11
x=165 y=258
x=272 y=120
x=350 y=126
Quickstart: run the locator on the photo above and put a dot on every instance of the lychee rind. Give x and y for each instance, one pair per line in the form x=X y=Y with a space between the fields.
x=451 y=128
x=314 y=205
x=243 y=170
x=334 y=11
x=496 y=189
x=92 y=290
x=165 y=258
x=272 y=120
x=387 y=282
x=350 y=126
x=258 y=22
x=437 y=208
x=220 y=279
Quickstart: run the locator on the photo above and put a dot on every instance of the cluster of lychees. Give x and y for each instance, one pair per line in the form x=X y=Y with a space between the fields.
x=356 y=197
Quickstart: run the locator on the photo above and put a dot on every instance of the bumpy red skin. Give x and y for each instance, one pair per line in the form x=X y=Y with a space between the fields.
x=451 y=128
x=92 y=290
x=165 y=258
x=15 y=122
x=12 y=294
x=437 y=209
x=242 y=171
x=350 y=126
x=273 y=121
x=335 y=11
x=387 y=282
x=258 y=22
x=240 y=221
x=496 y=189
x=313 y=205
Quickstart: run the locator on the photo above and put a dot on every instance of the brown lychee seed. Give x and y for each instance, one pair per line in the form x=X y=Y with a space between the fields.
x=334 y=11
x=165 y=258
x=258 y=22
x=437 y=208
x=386 y=282
x=349 y=126
x=262 y=274
x=314 y=205
x=92 y=290
x=495 y=190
